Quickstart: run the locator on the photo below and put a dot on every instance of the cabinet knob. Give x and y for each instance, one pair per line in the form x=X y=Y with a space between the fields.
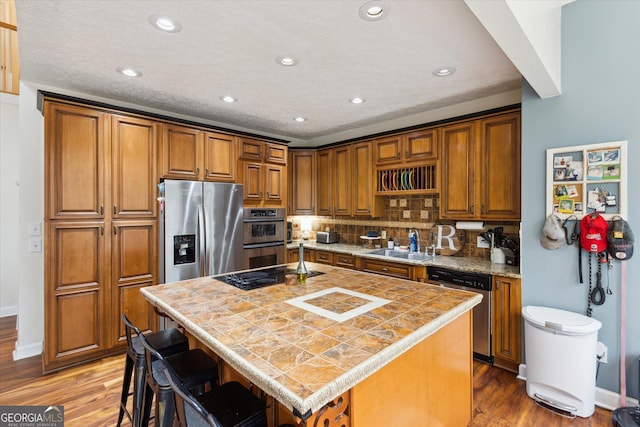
x=384 y=269
x=206 y=171
x=115 y=209
x=406 y=154
x=115 y=230
x=101 y=210
x=197 y=171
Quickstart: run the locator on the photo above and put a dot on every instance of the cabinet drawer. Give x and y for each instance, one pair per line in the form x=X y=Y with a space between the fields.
x=324 y=257
x=388 y=269
x=342 y=260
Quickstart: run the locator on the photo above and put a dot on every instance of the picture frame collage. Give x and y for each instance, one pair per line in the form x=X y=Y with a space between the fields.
x=587 y=178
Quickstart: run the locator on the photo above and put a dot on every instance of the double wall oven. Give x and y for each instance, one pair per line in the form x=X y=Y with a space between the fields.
x=264 y=232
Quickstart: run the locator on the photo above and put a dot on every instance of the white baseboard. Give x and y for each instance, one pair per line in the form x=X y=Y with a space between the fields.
x=11 y=310
x=604 y=398
x=24 y=351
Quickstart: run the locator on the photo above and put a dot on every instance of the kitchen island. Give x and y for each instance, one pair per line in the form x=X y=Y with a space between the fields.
x=347 y=349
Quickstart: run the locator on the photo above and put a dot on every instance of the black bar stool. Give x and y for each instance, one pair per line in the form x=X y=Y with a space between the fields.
x=167 y=341
x=229 y=405
x=193 y=368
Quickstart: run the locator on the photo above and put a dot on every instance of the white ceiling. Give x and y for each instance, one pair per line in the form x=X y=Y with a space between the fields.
x=229 y=48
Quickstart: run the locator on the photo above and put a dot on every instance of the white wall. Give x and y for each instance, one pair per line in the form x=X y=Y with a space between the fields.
x=9 y=218
x=31 y=209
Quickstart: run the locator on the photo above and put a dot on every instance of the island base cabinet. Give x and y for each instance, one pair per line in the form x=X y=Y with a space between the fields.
x=430 y=385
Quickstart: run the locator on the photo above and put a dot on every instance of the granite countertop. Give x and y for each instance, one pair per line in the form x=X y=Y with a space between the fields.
x=306 y=344
x=456 y=263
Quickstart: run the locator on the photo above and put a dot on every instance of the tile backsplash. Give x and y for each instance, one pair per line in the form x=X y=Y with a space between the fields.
x=402 y=213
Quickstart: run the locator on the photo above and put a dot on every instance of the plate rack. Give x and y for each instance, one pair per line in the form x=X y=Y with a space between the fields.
x=414 y=179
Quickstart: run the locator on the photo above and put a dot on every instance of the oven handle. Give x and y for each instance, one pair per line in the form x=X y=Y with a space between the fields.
x=203 y=243
x=264 y=245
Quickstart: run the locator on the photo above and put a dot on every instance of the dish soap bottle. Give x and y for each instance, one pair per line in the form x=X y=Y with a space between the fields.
x=413 y=244
x=301 y=270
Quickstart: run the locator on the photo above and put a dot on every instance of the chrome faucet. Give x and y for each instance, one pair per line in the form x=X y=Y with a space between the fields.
x=417 y=237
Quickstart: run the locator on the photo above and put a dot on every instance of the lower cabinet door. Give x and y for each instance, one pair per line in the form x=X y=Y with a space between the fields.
x=76 y=289
x=134 y=266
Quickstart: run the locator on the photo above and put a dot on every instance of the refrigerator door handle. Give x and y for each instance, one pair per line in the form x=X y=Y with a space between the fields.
x=203 y=243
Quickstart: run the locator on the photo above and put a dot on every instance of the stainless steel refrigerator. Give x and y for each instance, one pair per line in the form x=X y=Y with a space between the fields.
x=200 y=229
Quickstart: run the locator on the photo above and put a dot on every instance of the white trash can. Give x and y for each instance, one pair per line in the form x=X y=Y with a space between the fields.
x=560 y=355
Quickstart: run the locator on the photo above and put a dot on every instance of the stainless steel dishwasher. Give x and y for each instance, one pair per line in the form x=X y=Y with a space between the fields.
x=473 y=282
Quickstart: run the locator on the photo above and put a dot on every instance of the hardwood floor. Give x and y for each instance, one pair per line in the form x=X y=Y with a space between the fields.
x=90 y=393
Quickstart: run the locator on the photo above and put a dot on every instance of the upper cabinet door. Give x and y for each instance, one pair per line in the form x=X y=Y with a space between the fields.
x=220 y=157
x=389 y=150
x=342 y=188
x=302 y=169
x=457 y=184
x=133 y=170
x=324 y=182
x=499 y=167
x=77 y=145
x=182 y=152
x=421 y=145
x=251 y=149
x=276 y=153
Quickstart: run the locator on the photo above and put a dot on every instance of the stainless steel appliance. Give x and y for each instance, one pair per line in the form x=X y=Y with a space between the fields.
x=264 y=234
x=200 y=229
x=327 y=237
x=472 y=282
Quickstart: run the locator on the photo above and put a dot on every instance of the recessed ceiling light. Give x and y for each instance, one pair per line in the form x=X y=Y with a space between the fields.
x=164 y=23
x=286 y=60
x=356 y=100
x=374 y=10
x=228 y=98
x=299 y=119
x=129 y=72
x=444 y=71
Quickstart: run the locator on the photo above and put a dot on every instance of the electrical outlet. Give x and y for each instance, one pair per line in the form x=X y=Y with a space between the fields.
x=482 y=243
x=35 y=245
x=601 y=352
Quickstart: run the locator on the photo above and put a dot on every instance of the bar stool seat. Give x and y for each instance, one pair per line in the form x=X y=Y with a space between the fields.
x=229 y=405
x=193 y=368
x=167 y=341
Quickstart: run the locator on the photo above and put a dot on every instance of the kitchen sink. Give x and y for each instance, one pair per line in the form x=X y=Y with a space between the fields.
x=418 y=256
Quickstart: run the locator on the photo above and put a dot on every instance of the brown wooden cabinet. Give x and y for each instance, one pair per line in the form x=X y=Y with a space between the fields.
x=76 y=149
x=481 y=169
x=181 y=152
x=219 y=157
x=302 y=183
x=365 y=202
x=77 y=293
x=134 y=147
x=324 y=257
x=334 y=181
x=133 y=265
x=507 y=322
x=293 y=254
x=407 y=147
x=195 y=154
x=100 y=190
x=387 y=268
x=263 y=173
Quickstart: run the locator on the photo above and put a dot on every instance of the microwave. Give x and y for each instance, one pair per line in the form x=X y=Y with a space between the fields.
x=327 y=237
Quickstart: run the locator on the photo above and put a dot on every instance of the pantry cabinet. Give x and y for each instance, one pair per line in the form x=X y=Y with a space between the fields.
x=480 y=169
x=194 y=154
x=101 y=175
x=302 y=184
x=507 y=322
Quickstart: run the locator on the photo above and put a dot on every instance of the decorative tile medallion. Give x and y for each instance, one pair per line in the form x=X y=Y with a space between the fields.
x=338 y=304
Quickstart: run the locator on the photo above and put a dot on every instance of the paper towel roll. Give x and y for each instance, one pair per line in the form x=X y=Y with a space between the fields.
x=470 y=225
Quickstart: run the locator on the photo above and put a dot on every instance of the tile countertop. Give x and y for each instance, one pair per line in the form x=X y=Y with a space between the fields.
x=456 y=263
x=301 y=358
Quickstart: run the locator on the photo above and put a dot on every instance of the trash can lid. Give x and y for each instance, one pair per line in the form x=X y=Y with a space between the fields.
x=560 y=320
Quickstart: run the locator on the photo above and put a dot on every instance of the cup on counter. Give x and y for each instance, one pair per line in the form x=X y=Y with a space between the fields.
x=290 y=279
